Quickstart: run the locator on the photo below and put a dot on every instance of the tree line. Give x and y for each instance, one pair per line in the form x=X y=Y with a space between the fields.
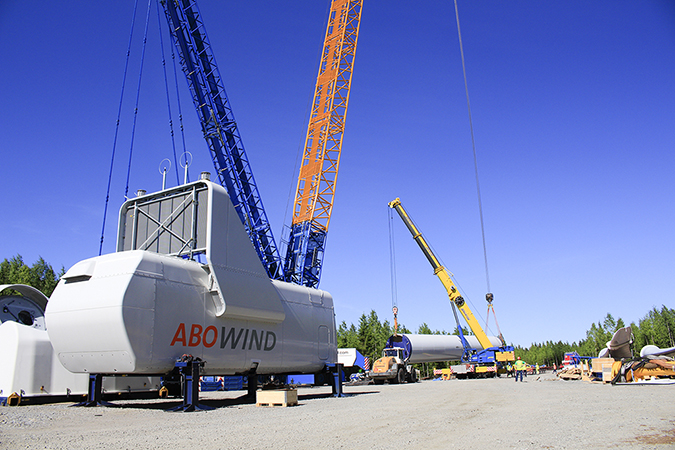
x=40 y=275
x=656 y=328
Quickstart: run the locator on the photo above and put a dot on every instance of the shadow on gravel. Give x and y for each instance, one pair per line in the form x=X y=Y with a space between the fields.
x=168 y=404
x=348 y=394
x=159 y=404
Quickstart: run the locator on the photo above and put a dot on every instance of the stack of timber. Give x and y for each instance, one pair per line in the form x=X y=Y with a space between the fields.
x=570 y=373
x=583 y=371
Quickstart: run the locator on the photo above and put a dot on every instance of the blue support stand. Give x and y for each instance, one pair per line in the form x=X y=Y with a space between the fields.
x=94 y=392
x=336 y=372
x=189 y=370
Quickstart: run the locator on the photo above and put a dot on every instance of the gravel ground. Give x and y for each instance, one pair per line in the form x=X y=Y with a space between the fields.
x=542 y=412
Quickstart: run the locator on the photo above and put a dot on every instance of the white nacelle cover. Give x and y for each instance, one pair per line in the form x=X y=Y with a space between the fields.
x=137 y=311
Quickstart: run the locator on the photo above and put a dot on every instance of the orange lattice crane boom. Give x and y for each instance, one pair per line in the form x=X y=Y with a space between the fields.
x=321 y=156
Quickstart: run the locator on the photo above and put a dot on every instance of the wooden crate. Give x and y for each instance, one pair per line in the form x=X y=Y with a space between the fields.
x=277 y=397
x=607 y=374
x=601 y=363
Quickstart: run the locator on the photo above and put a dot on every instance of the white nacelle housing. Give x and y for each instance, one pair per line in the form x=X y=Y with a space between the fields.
x=138 y=310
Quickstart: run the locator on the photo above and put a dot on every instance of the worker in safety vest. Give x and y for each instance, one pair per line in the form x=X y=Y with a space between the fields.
x=536 y=368
x=520 y=369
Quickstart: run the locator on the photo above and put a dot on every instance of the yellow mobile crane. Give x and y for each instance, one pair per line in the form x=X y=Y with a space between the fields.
x=490 y=356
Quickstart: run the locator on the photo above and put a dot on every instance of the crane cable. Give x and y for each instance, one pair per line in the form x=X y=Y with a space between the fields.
x=392 y=266
x=473 y=143
x=488 y=296
x=119 y=111
x=180 y=110
x=138 y=96
x=117 y=127
x=166 y=88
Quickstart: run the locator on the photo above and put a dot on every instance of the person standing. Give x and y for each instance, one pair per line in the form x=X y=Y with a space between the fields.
x=520 y=369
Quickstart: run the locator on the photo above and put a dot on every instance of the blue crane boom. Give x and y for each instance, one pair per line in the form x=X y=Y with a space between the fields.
x=220 y=129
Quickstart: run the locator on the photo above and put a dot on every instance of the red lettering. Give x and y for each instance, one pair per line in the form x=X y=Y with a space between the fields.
x=215 y=336
x=180 y=335
x=195 y=335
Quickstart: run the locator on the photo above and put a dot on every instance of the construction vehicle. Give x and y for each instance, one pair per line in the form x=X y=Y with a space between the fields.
x=487 y=358
x=317 y=179
x=403 y=350
x=393 y=367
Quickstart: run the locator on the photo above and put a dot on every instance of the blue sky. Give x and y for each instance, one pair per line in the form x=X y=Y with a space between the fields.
x=574 y=120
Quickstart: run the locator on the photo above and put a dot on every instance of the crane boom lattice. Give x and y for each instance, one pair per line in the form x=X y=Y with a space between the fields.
x=321 y=156
x=220 y=128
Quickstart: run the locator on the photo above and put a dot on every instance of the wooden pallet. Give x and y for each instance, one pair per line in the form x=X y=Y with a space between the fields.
x=280 y=397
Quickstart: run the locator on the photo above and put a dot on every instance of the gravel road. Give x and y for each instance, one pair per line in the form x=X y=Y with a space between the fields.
x=542 y=412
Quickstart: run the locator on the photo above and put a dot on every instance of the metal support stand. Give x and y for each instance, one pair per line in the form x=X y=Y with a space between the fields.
x=95 y=392
x=336 y=372
x=252 y=387
x=189 y=370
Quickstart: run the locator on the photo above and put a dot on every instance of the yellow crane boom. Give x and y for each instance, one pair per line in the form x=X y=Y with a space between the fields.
x=443 y=275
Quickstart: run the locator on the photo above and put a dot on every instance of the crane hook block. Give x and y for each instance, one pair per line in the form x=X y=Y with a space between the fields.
x=489 y=297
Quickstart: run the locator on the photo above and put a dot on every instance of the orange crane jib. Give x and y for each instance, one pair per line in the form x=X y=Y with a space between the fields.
x=321 y=157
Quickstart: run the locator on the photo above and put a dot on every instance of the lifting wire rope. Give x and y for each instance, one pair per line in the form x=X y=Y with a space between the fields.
x=392 y=266
x=473 y=144
x=166 y=86
x=180 y=110
x=489 y=297
x=119 y=112
x=138 y=96
x=117 y=127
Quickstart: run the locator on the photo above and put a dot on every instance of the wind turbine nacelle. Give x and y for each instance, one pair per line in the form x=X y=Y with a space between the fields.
x=137 y=311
